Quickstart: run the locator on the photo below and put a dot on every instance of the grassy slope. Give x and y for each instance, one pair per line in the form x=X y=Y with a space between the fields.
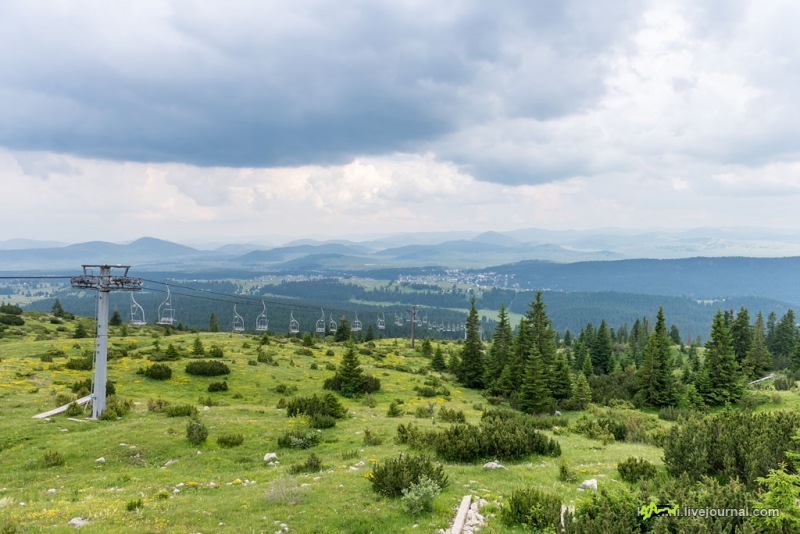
x=136 y=447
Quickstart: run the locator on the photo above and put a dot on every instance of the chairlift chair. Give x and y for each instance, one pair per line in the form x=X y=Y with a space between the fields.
x=238 y=321
x=137 y=313
x=166 y=313
x=398 y=320
x=356 y=325
x=382 y=322
x=332 y=326
x=294 y=326
x=321 y=323
x=262 y=323
x=425 y=319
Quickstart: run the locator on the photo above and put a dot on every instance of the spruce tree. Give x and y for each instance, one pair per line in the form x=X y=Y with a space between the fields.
x=370 y=335
x=742 y=335
x=343 y=332
x=542 y=334
x=534 y=395
x=582 y=393
x=759 y=360
x=427 y=347
x=655 y=374
x=197 y=348
x=675 y=335
x=720 y=378
x=602 y=351
x=116 y=319
x=349 y=373
x=437 y=362
x=213 y=325
x=501 y=348
x=785 y=346
x=560 y=382
x=587 y=369
x=58 y=311
x=80 y=332
x=471 y=369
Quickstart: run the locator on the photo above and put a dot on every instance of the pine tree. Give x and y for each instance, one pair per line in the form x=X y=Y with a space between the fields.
x=542 y=334
x=370 y=335
x=655 y=373
x=759 y=360
x=58 y=311
x=80 y=332
x=567 y=338
x=785 y=346
x=772 y=320
x=116 y=319
x=472 y=354
x=427 y=347
x=343 y=332
x=742 y=335
x=602 y=351
x=197 y=348
x=587 y=369
x=438 y=363
x=560 y=382
x=349 y=373
x=534 y=395
x=499 y=352
x=675 y=335
x=719 y=380
x=582 y=393
x=213 y=325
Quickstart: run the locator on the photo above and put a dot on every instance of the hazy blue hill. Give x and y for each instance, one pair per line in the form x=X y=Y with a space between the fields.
x=496 y=238
x=284 y=253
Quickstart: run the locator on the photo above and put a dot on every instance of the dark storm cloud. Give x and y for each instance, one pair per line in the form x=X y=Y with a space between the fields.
x=257 y=84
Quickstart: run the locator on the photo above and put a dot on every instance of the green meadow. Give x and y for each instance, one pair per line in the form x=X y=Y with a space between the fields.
x=153 y=479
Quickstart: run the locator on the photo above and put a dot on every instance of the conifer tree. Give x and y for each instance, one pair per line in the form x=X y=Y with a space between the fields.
x=675 y=335
x=741 y=334
x=349 y=373
x=427 y=347
x=542 y=334
x=534 y=395
x=213 y=325
x=80 y=332
x=500 y=350
x=587 y=369
x=758 y=360
x=437 y=362
x=471 y=369
x=655 y=374
x=719 y=381
x=116 y=319
x=560 y=381
x=197 y=348
x=370 y=335
x=343 y=332
x=785 y=346
x=58 y=311
x=602 y=351
x=582 y=393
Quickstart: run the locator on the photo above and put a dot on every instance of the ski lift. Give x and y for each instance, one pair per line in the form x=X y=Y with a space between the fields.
x=382 y=322
x=294 y=326
x=321 y=323
x=419 y=321
x=431 y=326
x=356 y=325
x=166 y=313
x=262 y=323
x=425 y=319
x=332 y=326
x=398 y=320
x=137 y=313
x=238 y=321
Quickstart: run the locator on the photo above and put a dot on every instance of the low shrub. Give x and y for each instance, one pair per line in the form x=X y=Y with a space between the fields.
x=157 y=405
x=424 y=412
x=62 y=399
x=79 y=364
x=634 y=469
x=304 y=351
x=118 y=404
x=350 y=455
x=74 y=410
x=395 y=410
x=419 y=496
x=281 y=403
x=181 y=410
x=217 y=386
x=196 y=431
x=263 y=356
x=158 y=371
x=134 y=505
x=330 y=367
x=451 y=415
x=783 y=383
x=330 y=352
x=390 y=477
x=230 y=440
x=533 y=508
x=207 y=368
x=298 y=439
x=53 y=458
x=425 y=391
x=369 y=401
x=321 y=421
x=314 y=366
x=314 y=405
x=565 y=474
x=313 y=464
x=285 y=389
x=372 y=439
x=215 y=352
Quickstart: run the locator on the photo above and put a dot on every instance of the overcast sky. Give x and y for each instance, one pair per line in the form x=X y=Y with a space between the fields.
x=223 y=121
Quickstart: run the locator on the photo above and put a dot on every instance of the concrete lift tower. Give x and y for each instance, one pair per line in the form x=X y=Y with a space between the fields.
x=110 y=278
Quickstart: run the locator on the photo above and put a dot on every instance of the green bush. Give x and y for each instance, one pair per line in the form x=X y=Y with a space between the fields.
x=74 y=410
x=313 y=464
x=109 y=414
x=230 y=440
x=634 y=469
x=321 y=421
x=783 y=383
x=85 y=387
x=424 y=412
x=285 y=389
x=158 y=371
x=79 y=364
x=533 y=508
x=371 y=439
x=215 y=351
x=118 y=404
x=217 y=386
x=451 y=415
x=390 y=477
x=53 y=458
x=157 y=405
x=330 y=367
x=304 y=351
x=330 y=352
x=425 y=391
x=418 y=497
x=395 y=410
x=196 y=431
x=565 y=474
x=134 y=505
x=314 y=366
x=298 y=439
x=181 y=410
x=314 y=405
x=281 y=403
x=207 y=368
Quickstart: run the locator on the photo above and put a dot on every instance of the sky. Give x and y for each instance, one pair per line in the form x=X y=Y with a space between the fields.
x=236 y=121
